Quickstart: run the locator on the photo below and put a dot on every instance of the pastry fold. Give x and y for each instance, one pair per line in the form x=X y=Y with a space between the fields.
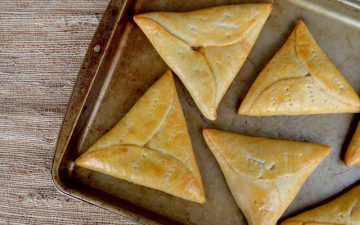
x=300 y=79
x=345 y=210
x=263 y=175
x=150 y=146
x=205 y=48
x=352 y=155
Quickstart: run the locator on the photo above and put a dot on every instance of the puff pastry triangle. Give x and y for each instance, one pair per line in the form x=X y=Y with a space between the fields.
x=352 y=155
x=205 y=48
x=150 y=146
x=345 y=210
x=300 y=79
x=264 y=175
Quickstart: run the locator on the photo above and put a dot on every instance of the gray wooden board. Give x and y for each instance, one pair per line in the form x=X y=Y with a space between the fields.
x=42 y=45
x=136 y=66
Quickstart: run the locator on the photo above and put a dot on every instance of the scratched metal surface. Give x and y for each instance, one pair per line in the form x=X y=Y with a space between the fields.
x=42 y=45
x=133 y=65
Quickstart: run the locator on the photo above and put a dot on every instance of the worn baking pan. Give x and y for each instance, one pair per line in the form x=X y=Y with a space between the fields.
x=121 y=64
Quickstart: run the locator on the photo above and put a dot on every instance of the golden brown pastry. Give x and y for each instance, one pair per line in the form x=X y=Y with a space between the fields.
x=344 y=210
x=264 y=175
x=150 y=146
x=300 y=79
x=352 y=155
x=205 y=48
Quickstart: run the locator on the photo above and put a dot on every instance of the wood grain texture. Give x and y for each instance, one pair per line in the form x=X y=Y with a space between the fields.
x=42 y=45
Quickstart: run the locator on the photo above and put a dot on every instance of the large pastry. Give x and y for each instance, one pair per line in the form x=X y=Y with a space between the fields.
x=352 y=155
x=264 y=175
x=205 y=48
x=300 y=79
x=150 y=146
x=345 y=210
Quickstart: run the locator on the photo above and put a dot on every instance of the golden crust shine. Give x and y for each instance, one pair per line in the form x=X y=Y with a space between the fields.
x=264 y=175
x=205 y=48
x=345 y=210
x=300 y=79
x=352 y=155
x=150 y=146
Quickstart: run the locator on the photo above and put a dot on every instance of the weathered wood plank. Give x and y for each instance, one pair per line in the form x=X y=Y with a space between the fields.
x=42 y=45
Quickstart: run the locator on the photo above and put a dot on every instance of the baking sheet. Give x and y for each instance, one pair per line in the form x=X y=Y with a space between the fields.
x=121 y=64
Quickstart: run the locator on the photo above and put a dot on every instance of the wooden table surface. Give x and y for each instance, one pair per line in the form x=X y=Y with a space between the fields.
x=42 y=44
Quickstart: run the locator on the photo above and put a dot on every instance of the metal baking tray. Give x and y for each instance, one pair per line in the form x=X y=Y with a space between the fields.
x=121 y=64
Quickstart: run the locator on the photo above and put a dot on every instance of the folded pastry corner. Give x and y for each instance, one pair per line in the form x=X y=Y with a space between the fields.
x=300 y=79
x=205 y=48
x=150 y=146
x=352 y=155
x=345 y=210
x=263 y=175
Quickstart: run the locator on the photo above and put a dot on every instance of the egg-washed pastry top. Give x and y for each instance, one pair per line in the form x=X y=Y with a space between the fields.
x=264 y=175
x=150 y=146
x=300 y=79
x=352 y=155
x=205 y=48
x=345 y=210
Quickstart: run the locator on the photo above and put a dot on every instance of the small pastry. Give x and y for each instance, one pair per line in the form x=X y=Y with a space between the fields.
x=345 y=210
x=300 y=79
x=150 y=146
x=205 y=48
x=264 y=175
x=352 y=155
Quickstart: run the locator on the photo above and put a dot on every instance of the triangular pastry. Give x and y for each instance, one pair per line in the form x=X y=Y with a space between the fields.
x=150 y=146
x=264 y=175
x=205 y=48
x=345 y=210
x=352 y=155
x=300 y=79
